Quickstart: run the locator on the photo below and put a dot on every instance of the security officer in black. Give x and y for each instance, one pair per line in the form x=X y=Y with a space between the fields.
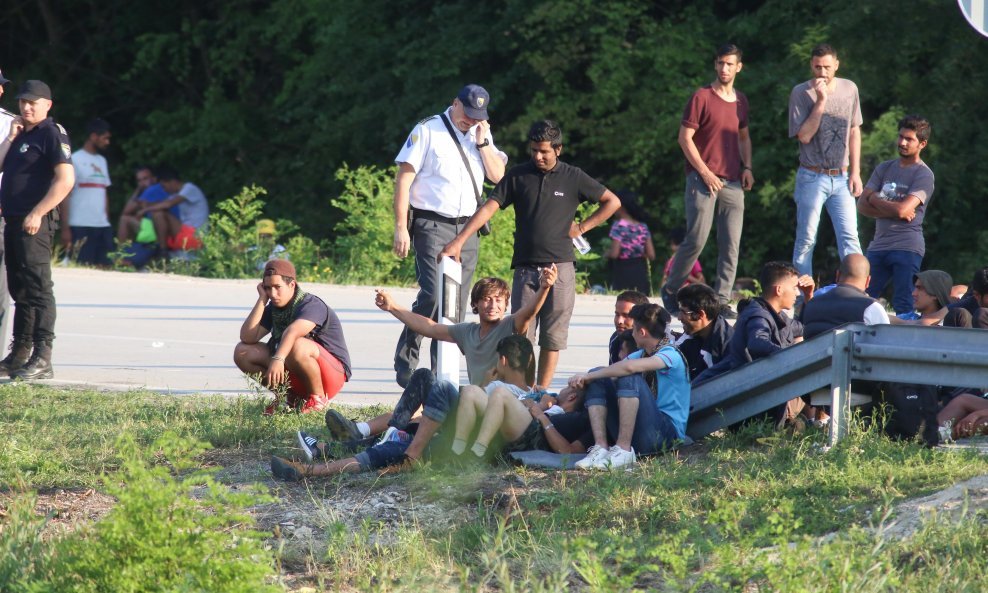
x=36 y=161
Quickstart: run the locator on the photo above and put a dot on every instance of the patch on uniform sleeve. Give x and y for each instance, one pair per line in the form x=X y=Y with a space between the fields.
x=66 y=150
x=412 y=139
x=61 y=129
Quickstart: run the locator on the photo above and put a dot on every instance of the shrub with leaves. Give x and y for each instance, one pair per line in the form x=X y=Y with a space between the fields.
x=173 y=529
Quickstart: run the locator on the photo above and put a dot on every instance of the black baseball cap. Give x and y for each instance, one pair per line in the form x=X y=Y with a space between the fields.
x=2 y=79
x=475 y=100
x=33 y=90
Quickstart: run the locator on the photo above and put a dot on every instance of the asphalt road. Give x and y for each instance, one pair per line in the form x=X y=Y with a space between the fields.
x=175 y=334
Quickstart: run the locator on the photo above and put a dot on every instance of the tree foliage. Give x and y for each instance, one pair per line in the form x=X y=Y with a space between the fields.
x=282 y=93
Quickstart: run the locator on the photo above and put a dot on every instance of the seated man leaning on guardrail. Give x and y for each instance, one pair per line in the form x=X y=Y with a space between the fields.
x=763 y=327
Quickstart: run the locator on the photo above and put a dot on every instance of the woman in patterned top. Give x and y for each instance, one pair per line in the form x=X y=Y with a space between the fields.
x=631 y=246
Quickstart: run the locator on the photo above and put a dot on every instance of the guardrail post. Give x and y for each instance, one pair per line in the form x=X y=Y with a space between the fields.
x=840 y=384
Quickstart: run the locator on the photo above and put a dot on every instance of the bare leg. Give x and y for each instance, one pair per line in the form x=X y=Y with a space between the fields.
x=251 y=358
x=127 y=228
x=627 y=413
x=303 y=362
x=473 y=403
x=598 y=424
x=348 y=465
x=427 y=429
x=548 y=359
x=506 y=413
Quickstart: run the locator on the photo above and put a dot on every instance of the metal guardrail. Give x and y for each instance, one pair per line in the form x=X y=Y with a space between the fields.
x=907 y=354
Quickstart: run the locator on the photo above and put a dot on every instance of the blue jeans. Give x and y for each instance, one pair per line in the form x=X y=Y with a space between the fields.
x=813 y=192
x=412 y=398
x=899 y=266
x=654 y=431
x=443 y=398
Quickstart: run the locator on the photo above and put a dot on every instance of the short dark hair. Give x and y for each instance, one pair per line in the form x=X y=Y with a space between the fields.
x=631 y=204
x=917 y=124
x=774 y=272
x=699 y=297
x=625 y=337
x=520 y=355
x=142 y=167
x=677 y=235
x=823 y=49
x=728 y=49
x=546 y=130
x=488 y=286
x=166 y=173
x=98 y=126
x=979 y=283
x=652 y=318
x=632 y=296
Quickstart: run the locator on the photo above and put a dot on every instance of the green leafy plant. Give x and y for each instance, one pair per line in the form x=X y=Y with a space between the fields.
x=172 y=529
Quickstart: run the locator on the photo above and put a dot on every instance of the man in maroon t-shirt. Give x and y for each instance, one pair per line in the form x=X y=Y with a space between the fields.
x=714 y=137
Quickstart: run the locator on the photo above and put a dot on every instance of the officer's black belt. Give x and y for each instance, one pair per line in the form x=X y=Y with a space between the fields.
x=436 y=217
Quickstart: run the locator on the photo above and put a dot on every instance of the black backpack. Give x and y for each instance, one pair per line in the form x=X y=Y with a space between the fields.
x=913 y=412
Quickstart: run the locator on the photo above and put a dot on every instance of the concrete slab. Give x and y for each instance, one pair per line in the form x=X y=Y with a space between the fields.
x=175 y=334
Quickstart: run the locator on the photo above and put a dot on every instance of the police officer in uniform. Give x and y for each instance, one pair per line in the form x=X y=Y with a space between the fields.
x=435 y=189
x=36 y=160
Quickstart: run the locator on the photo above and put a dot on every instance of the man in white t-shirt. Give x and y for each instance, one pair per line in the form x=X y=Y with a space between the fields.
x=87 y=235
x=180 y=233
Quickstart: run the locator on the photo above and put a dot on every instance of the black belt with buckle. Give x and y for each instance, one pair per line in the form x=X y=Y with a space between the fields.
x=436 y=217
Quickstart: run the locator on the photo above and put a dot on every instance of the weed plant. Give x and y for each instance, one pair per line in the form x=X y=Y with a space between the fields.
x=748 y=511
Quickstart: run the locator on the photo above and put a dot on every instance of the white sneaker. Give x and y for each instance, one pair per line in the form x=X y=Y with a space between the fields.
x=596 y=456
x=618 y=457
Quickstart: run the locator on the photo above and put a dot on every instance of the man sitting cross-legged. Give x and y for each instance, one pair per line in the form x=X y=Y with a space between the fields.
x=477 y=341
x=508 y=407
x=643 y=400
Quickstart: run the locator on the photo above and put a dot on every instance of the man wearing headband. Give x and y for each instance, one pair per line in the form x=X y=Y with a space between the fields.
x=306 y=345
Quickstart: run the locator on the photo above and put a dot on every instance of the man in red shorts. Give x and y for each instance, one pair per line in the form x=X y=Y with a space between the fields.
x=306 y=342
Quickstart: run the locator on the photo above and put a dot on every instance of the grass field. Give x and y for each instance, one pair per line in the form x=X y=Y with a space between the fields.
x=142 y=492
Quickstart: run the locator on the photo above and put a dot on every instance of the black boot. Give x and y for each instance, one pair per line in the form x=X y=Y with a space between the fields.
x=20 y=352
x=38 y=366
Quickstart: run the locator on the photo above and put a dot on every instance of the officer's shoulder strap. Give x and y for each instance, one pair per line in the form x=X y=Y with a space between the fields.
x=431 y=117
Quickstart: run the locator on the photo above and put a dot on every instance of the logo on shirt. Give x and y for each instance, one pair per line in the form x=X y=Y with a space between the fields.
x=412 y=140
x=558 y=194
x=66 y=151
x=24 y=147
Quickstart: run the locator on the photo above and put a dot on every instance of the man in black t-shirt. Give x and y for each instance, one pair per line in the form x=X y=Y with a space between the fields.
x=306 y=341
x=35 y=158
x=546 y=193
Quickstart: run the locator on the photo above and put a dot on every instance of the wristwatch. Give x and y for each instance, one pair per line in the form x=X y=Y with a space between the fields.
x=486 y=142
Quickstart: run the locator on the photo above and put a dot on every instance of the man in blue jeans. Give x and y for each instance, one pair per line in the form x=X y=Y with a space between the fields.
x=896 y=196
x=642 y=401
x=825 y=115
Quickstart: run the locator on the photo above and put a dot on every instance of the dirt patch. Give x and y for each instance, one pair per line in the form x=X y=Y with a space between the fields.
x=66 y=510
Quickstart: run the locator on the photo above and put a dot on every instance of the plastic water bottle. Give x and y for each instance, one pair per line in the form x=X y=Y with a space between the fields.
x=888 y=192
x=581 y=244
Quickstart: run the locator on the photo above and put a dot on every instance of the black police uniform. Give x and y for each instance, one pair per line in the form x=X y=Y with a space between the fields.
x=28 y=171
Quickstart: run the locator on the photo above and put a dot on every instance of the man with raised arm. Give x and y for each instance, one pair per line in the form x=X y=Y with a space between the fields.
x=825 y=116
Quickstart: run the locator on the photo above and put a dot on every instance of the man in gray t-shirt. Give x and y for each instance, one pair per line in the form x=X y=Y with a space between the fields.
x=825 y=115
x=477 y=341
x=896 y=197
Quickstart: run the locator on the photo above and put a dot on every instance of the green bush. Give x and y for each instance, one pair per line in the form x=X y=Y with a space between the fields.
x=172 y=529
